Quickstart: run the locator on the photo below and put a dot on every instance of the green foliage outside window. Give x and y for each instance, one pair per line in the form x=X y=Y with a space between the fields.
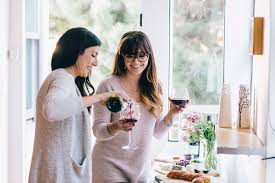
x=198 y=28
x=107 y=19
x=198 y=48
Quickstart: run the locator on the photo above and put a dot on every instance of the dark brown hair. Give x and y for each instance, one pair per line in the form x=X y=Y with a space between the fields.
x=150 y=89
x=70 y=45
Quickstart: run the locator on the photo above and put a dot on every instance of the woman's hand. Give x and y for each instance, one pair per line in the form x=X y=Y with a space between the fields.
x=173 y=111
x=101 y=98
x=105 y=96
x=122 y=124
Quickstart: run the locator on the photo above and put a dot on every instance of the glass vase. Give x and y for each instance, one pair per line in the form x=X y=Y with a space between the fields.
x=210 y=162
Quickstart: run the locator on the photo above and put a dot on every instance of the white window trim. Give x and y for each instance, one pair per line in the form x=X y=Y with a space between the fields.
x=16 y=90
x=30 y=113
x=4 y=32
x=16 y=171
x=32 y=35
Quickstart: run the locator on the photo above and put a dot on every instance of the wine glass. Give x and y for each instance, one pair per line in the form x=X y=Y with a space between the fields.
x=180 y=98
x=131 y=114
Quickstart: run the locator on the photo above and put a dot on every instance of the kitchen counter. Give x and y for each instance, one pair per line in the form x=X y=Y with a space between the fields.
x=162 y=175
x=235 y=147
x=232 y=169
x=238 y=141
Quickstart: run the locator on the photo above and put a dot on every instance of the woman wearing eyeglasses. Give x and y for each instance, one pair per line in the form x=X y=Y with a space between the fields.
x=134 y=75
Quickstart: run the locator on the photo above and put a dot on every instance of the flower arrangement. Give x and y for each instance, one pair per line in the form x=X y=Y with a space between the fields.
x=193 y=117
x=202 y=130
x=205 y=131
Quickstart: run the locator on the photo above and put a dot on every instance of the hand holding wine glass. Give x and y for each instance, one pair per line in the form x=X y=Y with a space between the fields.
x=179 y=98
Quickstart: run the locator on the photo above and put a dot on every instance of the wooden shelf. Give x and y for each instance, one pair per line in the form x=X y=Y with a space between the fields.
x=238 y=141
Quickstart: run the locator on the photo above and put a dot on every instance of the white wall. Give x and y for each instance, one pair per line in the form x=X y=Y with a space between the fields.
x=261 y=70
x=156 y=26
x=271 y=117
x=16 y=90
x=264 y=83
x=3 y=91
x=237 y=59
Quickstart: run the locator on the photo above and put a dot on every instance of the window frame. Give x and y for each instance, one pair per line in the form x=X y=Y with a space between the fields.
x=201 y=108
x=34 y=37
x=159 y=19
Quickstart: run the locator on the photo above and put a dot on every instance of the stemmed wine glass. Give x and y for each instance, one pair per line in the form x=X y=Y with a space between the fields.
x=131 y=114
x=180 y=98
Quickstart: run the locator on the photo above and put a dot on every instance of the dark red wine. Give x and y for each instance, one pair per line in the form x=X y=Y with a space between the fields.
x=179 y=101
x=130 y=120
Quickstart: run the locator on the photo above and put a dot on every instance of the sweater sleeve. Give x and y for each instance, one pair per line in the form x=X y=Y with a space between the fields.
x=60 y=103
x=102 y=116
x=160 y=128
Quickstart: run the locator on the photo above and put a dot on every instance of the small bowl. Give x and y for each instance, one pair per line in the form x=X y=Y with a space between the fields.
x=188 y=157
x=196 y=171
x=205 y=171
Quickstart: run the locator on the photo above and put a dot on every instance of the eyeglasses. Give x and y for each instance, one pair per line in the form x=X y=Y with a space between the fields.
x=142 y=57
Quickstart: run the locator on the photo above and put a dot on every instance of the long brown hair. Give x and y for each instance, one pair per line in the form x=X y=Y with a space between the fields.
x=69 y=46
x=150 y=89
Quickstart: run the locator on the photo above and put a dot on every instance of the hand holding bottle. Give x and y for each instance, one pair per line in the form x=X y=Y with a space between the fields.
x=101 y=98
x=112 y=94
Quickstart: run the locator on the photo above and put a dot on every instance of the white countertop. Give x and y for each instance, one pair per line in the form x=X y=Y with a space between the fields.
x=238 y=141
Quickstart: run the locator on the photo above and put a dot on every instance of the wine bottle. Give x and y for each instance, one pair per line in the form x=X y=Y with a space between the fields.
x=210 y=121
x=116 y=104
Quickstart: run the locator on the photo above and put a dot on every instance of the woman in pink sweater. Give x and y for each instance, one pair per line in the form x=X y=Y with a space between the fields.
x=134 y=74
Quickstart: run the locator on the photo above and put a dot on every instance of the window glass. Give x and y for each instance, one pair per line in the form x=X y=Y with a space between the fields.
x=29 y=75
x=107 y=19
x=197 y=49
x=31 y=16
x=31 y=70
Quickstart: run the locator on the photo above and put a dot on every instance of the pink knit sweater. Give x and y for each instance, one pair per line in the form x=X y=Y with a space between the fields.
x=111 y=163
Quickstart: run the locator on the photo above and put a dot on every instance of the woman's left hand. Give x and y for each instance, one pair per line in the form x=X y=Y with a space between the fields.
x=174 y=109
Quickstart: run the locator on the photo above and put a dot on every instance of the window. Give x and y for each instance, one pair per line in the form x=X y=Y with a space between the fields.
x=196 y=56
x=31 y=71
x=197 y=44
x=107 y=19
x=32 y=54
x=32 y=51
